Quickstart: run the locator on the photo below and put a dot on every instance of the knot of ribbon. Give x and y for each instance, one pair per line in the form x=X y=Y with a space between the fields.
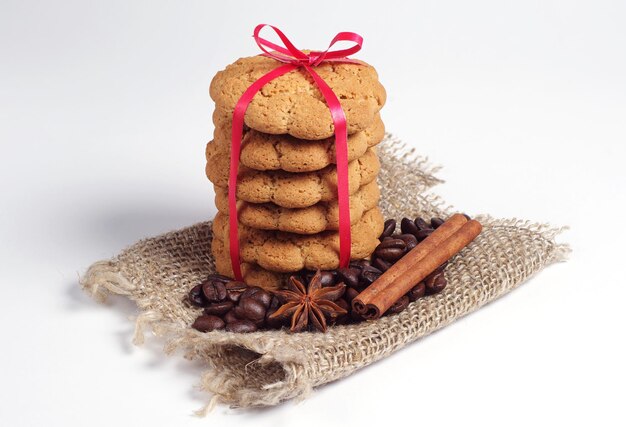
x=293 y=58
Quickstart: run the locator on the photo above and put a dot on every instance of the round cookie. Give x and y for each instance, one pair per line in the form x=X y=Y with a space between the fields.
x=288 y=252
x=262 y=151
x=292 y=103
x=288 y=189
x=314 y=219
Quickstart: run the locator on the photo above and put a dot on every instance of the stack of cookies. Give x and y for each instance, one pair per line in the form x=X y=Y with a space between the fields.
x=287 y=186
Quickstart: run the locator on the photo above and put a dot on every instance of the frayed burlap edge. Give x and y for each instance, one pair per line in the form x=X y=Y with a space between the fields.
x=265 y=368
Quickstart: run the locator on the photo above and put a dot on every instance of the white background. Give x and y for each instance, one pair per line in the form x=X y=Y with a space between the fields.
x=104 y=114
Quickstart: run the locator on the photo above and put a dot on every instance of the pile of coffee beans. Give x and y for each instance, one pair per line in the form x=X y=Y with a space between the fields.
x=233 y=306
x=237 y=307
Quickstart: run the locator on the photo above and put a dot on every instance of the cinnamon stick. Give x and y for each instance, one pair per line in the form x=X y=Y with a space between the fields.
x=445 y=242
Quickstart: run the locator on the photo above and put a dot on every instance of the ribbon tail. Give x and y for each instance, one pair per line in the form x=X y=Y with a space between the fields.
x=235 y=152
x=341 y=153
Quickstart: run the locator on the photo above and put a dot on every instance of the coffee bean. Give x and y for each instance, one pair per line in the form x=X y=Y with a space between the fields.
x=391 y=243
x=196 y=297
x=380 y=264
x=399 y=305
x=408 y=227
x=218 y=278
x=219 y=308
x=214 y=290
x=350 y=294
x=409 y=240
x=274 y=322
x=327 y=278
x=435 y=283
x=241 y=326
x=369 y=275
x=208 y=323
x=274 y=304
x=421 y=224
x=230 y=316
x=349 y=276
x=360 y=264
x=422 y=234
x=436 y=222
x=234 y=290
x=389 y=228
x=306 y=276
x=257 y=293
x=441 y=268
x=390 y=254
x=250 y=309
x=356 y=317
x=417 y=291
x=261 y=296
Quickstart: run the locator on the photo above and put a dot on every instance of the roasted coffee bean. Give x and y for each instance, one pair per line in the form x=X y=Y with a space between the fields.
x=257 y=293
x=369 y=275
x=306 y=276
x=399 y=305
x=230 y=316
x=422 y=234
x=355 y=317
x=409 y=240
x=208 y=323
x=436 y=222
x=390 y=254
x=360 y=264
x=381 y=264
x=251 y=309
x=349 y=276
x=234 y=290
x=408 y=226
x=417 y=291
x=350 y=294
x=388 y=229
x=275 y=303
x=435 y=283
x=327 y=278
x=273 y=322
x=219 y=308
x=262 y=296
x=214 y=290
x=391 y=243
x=421 y=224
x=218 y=278
x=241 y=326
x=196 y=297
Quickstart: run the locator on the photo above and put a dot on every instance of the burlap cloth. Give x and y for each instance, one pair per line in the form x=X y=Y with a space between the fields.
x=265 y=368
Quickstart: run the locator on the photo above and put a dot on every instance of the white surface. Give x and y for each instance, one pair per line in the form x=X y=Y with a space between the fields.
x=104 y=114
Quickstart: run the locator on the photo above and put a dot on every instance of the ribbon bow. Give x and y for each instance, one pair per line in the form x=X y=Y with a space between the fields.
x=293 y=58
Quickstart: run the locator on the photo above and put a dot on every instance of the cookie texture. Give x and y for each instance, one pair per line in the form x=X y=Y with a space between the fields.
x=320 y=217
x=287 y=252
x=292 y=103
x=262 y=151
x=288 y=189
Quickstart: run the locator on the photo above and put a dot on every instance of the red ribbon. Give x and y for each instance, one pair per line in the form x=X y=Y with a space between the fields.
x=293 y=59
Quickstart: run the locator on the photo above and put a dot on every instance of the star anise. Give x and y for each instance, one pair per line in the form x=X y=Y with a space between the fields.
x=312 y=303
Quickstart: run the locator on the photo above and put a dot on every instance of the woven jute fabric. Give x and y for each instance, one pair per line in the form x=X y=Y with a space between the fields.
x=267 y=367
